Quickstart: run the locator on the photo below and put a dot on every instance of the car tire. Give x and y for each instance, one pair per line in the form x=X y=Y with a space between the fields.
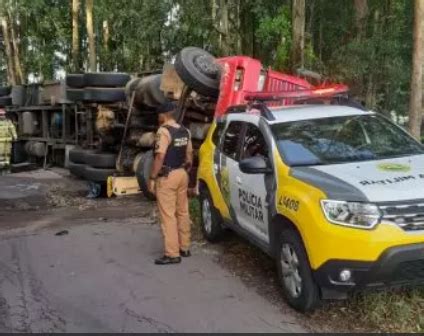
x=5 y=101
x=106 y=79
x=211 y=221
x=5 y=91
x=104 y=95
x=295 y=274
x=142 y=173
x=75 y=81
x=75 y=94
x=101 y=160
x=198 y=70
x=97 y=174
x=77 y=169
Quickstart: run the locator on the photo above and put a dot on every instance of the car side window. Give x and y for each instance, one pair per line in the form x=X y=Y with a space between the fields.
x=231 y=139
x=254 y=143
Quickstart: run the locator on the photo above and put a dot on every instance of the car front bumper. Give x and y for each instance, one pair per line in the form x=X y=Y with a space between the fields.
x=397 y=266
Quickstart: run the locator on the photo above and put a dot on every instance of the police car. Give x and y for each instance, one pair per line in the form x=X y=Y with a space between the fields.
x=334 y=193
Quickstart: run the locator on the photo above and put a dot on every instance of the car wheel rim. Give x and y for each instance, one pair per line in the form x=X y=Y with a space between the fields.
x=290 y=270
x=207 y=216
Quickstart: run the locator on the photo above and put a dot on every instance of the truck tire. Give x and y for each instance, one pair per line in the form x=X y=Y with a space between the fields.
x=5 y=91
x=75 y=81
x=5 y=101
x=198 y=70
x=97 y=174
x=142 y=173
x=130 y=87
x=101 y=160
x=77 y=169
x=75 y=94
x=78 y=155
x=295 y=274
x=106 y=79
x=211 y=221
x=104 y=95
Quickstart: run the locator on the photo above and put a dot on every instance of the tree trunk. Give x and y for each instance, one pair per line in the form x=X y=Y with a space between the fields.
x=11 y=76
x=361 y=14
x=415 y=103
x=15 y=51
x=224 y=27
x=106 y=35
x=298 y=33
x=90 y=34
x=75 y=36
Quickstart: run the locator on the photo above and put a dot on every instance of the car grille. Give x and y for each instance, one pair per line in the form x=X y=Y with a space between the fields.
x=407 y=215
x=409 y=271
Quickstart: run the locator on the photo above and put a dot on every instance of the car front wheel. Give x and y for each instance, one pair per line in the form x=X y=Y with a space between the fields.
x=294 y=272
x=210 y=219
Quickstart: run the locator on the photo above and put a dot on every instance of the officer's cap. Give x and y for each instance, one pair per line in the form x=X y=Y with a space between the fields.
x=168 y=106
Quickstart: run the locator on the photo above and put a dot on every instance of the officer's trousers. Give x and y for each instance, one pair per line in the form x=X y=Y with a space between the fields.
x=172 y=199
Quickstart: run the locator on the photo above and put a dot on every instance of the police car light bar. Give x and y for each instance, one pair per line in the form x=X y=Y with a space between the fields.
x=323 y=92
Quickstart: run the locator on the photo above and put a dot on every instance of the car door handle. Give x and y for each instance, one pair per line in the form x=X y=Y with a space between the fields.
x=238 y=180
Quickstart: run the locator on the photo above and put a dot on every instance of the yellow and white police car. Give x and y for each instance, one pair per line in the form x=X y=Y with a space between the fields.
x=334 y=193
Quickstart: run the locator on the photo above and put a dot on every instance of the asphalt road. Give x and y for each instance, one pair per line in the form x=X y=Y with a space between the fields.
x=100 y=277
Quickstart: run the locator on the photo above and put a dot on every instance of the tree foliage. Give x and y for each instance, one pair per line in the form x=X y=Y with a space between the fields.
x=143 y=34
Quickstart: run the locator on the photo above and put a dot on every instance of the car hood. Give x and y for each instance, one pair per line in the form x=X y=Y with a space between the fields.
x=388 y=180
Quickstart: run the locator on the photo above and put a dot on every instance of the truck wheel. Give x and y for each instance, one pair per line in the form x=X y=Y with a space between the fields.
x=5 y=91
x=97 y=174
x=101 y=160
x=198 y=70
x=294 y=273
x=104 y=95
x=210 y=219
x=143 y=174
x=5 y=101
x=77 y=155
x=76 y=169
x=106 y=79
x=75 y=94
x=75 y=81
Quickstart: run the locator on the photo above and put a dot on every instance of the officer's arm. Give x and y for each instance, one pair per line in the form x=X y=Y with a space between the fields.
x=161 y=146
x=157 y=165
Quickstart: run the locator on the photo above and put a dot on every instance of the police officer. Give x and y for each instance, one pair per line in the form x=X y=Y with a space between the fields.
x=169 y=181
x=7 y=135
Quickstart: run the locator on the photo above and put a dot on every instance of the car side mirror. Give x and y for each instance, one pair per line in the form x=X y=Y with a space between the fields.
x=255 y=165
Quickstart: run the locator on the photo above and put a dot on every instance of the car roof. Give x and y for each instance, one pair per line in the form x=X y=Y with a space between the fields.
x=303 y=112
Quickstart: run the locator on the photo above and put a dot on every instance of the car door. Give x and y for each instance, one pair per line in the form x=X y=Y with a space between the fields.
x=250 y=193
x=228 y=164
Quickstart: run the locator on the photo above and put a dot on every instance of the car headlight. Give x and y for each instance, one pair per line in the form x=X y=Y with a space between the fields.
x=352 y=214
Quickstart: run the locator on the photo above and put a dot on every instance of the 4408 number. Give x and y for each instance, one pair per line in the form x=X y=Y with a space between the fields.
x=289 y=203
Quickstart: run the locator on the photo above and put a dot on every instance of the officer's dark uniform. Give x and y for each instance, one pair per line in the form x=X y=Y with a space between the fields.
x=174 y=141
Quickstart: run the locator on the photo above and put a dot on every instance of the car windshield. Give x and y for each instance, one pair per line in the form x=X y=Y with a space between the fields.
x=342 y=139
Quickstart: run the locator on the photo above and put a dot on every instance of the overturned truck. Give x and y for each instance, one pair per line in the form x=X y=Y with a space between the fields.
x=107 y=122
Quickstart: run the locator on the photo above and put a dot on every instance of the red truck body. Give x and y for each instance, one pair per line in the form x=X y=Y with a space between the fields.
x=244 y=79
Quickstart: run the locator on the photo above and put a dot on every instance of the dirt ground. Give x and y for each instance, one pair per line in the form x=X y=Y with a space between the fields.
x=70 y=264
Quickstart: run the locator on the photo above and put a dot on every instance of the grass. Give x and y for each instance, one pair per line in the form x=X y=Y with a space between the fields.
x=395 y=310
